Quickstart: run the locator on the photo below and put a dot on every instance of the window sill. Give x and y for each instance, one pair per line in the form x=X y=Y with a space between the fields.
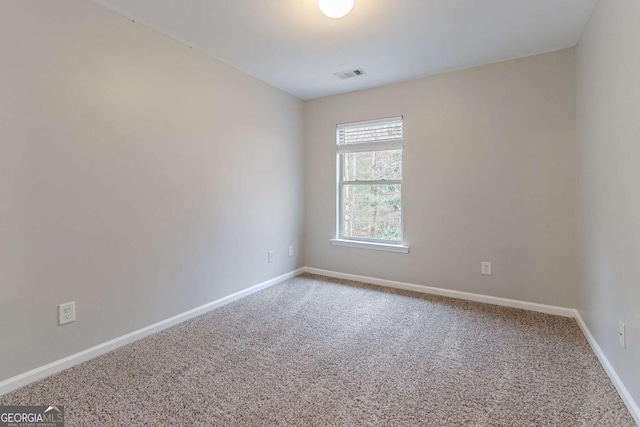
x=389 y=247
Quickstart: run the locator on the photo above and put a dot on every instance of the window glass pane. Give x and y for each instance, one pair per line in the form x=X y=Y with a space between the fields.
x=372 y=211
x=373 y=165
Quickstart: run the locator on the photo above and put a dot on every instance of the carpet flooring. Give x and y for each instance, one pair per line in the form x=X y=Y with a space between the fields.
x=322 y=352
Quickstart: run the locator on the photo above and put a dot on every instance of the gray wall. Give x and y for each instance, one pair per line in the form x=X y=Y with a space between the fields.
x=608 y=65
x=489 y=175
x=138 y=178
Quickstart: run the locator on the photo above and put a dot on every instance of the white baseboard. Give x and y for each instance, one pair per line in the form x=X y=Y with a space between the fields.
x=632 y=406
x=75 y=359
x=531 y=306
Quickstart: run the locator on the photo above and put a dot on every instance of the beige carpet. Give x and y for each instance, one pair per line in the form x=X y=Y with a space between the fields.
x=322 y=352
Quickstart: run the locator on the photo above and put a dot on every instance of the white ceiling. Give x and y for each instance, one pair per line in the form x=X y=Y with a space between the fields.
x=290 y=44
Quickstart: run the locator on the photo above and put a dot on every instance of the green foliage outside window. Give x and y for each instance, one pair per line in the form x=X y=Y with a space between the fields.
x=372 y=211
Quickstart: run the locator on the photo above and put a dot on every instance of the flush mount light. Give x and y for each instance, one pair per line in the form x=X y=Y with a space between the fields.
x=335 y=8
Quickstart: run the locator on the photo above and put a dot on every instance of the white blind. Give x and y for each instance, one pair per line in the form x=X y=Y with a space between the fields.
x=383 y=134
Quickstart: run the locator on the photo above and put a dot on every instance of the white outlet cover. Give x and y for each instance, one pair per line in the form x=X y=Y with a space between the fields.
x=486 y=268
x=66 y=313
x=622 y=334
x=270 y=257
x=290 y=250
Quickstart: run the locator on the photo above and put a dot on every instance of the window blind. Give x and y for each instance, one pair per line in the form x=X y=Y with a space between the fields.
x=383 y=134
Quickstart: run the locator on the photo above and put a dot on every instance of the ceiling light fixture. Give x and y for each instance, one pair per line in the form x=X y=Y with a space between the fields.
x=335 y=8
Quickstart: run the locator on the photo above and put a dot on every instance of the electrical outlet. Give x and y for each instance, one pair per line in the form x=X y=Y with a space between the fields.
x=486 y=268
x=290 y=250
x=66 y=313
x=270 y=257
x=622 y=334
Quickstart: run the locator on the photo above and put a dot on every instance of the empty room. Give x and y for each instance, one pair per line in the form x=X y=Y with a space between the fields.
x=319 y=213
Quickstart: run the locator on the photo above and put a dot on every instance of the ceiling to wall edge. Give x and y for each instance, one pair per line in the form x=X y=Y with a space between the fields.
x=119 y=12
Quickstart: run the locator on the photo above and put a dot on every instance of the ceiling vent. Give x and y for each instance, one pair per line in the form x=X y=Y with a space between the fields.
x=343 y=75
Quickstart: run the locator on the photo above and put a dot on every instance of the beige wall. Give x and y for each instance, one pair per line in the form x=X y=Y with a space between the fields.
x=489 y=175
x=138 y=178
x=608 y=66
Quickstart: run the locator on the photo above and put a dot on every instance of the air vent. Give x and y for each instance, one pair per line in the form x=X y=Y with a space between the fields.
x=350 y=73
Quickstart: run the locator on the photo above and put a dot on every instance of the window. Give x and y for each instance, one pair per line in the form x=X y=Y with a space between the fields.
x=369 y=205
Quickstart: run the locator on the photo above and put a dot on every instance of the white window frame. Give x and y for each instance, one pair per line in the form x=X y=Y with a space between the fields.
x=381 y=145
